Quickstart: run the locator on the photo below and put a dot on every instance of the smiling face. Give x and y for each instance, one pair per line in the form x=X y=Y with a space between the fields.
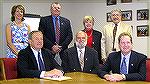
x=125 y=44
x=36 y=41
x=55 y=9
x=18 y=14
x=81 y=39
x=88 y=22
x=116 y=17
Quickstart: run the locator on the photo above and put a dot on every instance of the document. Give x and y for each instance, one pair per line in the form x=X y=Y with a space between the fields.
x=58 y=79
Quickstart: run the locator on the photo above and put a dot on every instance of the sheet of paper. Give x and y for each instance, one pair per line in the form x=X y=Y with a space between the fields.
x=58 y=79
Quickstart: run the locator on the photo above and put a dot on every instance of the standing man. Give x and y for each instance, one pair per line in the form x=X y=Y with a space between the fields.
x=56 y=30
x=35 y=61
x=125 y=64
x=111 y=33
x=80 y=58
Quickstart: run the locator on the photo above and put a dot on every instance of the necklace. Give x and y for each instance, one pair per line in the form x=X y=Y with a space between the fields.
x=88 y=36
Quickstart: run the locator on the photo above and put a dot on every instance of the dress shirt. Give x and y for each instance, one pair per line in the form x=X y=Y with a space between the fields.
x=54 y=21
x=83 y=51
x=127 y=60
x=36 y=57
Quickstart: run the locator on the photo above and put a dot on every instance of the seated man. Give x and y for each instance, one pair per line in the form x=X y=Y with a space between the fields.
x=35 y=61
x=125 y=64
x=80 y=58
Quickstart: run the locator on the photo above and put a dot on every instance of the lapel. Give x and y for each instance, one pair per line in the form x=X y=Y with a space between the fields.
x=86 y=58
x=75 y=59
x=61 y=27
x=131 y=62
x=50 y=26
x=118 y=62
x=32 y=57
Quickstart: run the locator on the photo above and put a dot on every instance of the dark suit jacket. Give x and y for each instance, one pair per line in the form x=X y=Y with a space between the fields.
x=137 y=66
x=47 y=27
x=97 y=44
x=70 y=61
x=27 y=65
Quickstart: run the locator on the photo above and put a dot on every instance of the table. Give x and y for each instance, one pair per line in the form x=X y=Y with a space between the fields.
x=77 y=78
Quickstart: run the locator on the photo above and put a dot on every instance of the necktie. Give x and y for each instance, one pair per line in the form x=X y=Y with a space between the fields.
x=57 y=33
x=114 y=35
x=41 y=64
x=123 y=68
x=81 y=59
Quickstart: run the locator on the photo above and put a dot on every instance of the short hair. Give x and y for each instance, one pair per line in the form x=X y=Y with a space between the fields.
x=116 y=10
x=13 y=10
x=88 y=18
x=55 y=3
x=31 y=33
x=124 y=34
x=80 y=33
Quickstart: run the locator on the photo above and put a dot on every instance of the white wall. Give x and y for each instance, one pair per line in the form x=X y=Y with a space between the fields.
x=75 y=11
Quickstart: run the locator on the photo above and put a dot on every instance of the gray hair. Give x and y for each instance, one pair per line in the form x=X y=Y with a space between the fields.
x=31 y=33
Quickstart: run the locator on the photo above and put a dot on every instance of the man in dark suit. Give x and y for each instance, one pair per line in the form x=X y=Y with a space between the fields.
x=56 y=30
x=35 y=61
x=125 y=64
x=80 y=58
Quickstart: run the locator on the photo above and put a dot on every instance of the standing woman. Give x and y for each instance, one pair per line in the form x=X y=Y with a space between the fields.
x=16 y=32
x=94 y=36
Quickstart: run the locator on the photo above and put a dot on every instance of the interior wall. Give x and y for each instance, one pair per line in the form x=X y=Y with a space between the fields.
x=75 y=11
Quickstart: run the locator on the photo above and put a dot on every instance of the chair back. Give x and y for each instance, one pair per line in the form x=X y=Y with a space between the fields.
x=8 y=68
x=148 y=70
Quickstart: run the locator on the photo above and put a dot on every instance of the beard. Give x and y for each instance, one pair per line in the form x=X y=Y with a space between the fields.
x=81 y=44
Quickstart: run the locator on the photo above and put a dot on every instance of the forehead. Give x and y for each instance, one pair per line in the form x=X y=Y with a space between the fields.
x=56 y=5
x=116 y=12
x=125 y=38
x=81 y=35
x=37 y=34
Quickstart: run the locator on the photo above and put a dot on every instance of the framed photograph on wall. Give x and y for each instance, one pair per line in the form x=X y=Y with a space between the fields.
x=111 y=2
x=142 y=30
x=143 y=14
x=108 y=15
x=127 y=15
x=126 y=1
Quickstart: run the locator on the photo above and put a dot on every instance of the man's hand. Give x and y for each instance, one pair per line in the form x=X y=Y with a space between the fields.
x=53 y=73
x=113 y=77
x=56 y=48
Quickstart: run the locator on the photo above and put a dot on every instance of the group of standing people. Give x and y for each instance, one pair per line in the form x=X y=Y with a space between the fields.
x=45 y=52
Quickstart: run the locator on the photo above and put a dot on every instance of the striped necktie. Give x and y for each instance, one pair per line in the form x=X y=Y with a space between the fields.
x=81 y=59
x=57 y=33
x=41 y=64
x=114 y=35
x=123 y=68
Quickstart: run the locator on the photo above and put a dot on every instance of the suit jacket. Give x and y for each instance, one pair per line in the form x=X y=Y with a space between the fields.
x=137 y=66
x=47 y=27
x=27 y=65
x=107 y=37
x=70 y=61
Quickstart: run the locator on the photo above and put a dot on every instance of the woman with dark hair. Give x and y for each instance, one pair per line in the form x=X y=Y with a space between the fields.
x=16 y=32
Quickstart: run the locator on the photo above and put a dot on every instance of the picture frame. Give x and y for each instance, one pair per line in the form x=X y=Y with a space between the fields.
x=108 y=15
x=126 y=1
x=143 y=14
x=111 y=2
x=127 y=15
x=142 y=30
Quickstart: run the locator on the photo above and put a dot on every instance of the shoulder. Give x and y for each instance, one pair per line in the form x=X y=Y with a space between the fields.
x=70 y=49
x=91 y=50
x=114 y=55
x=139 y=55
x=46 y=17
x=97 y=32
x=63 y=18
x=125 y=24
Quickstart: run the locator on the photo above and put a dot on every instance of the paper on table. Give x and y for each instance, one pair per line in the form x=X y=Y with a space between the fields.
x=58 y=79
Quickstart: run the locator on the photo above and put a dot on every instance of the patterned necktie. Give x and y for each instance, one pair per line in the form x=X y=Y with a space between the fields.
x=81 y=59
x=41 y=64
x=57 y=33
x=123 y=68
x=114 y=35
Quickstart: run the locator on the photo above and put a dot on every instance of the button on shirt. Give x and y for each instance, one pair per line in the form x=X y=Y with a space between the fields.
x=127 y=60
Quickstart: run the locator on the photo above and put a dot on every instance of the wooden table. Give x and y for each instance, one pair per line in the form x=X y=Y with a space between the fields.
x=77 y=78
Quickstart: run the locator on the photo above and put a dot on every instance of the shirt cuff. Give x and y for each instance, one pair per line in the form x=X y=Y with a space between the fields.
x=123 y=77
x=42 y=74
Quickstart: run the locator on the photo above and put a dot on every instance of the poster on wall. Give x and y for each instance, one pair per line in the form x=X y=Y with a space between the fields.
x=142 y=30
x=111 y=2
x=127 y=15
x=126 y=1
x=143 y=14
x=32 y=20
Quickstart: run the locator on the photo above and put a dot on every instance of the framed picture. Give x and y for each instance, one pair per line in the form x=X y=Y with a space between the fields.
x=127 y=15
x=108 y=15
x=143 y=14
x=142 y=30
x=126 y=1
x=111 y=2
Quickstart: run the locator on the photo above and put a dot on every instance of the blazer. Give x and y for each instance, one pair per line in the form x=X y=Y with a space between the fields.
x=27 y=65
x=107 y=37
x=137 y=65
x=47 y=27
x=70 y=61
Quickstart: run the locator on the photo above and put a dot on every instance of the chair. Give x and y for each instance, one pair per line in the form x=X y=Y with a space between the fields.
x=8 y=68
x=148 y=70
